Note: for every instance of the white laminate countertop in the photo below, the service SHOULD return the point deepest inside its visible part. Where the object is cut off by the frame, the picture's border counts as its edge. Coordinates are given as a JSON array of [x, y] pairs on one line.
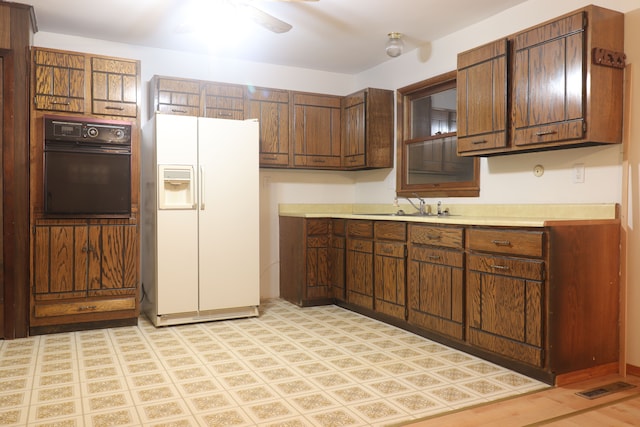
[[537, 215]]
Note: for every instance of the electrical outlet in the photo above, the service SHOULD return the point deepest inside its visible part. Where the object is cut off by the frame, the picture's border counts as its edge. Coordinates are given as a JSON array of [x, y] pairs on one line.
[[578, 173]]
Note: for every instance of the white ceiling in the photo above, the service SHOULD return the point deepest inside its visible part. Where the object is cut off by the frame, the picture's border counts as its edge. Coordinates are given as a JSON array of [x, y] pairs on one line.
[[344, 36]]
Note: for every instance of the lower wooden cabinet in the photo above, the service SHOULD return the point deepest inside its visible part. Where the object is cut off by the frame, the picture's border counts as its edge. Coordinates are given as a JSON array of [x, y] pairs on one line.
[[435, 282], [390, 268], [337, 259], [304, 260], [540, 300], [359, 263], [84, 273]]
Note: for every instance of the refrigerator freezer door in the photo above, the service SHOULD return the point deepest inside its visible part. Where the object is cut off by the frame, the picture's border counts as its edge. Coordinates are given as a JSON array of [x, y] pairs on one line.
[[177, 230], [229, 222]]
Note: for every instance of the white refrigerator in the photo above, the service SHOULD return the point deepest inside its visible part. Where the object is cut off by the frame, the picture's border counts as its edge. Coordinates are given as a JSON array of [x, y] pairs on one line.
[[200, 219]]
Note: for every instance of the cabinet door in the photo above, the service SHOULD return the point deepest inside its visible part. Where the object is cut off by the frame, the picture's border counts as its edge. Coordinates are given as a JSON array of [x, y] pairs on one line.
[[549, 82], [359, 263], [436, 290], [390, 278], [114, 85], [316, 131], [176, 96], [505, 306], [271, 108], [112, 255], [337, 259], [482, 98], [59, 81], [223, 101], [317, 259], [60, 262], [353, 143]]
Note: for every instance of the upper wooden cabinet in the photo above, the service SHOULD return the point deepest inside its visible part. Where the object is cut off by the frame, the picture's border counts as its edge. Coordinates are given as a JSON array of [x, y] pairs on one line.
[[114, 87], [316, 131], [60, 83], [298, 130], [271, 108], [223, 101], [564, 86], [367, 140], [482, 97]]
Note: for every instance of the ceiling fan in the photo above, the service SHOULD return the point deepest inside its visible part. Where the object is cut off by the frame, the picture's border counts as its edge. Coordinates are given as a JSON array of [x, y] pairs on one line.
[[268, 21]]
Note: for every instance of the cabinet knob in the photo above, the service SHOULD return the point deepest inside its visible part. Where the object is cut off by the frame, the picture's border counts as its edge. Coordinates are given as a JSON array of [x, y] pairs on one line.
[[501, 242]]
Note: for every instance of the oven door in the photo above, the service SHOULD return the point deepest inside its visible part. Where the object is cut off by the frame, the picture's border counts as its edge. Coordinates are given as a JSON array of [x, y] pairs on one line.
[[87, 181]]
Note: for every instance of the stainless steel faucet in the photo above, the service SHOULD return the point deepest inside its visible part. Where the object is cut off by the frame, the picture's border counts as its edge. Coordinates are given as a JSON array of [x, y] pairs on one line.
[[422, 207], [439, 207]]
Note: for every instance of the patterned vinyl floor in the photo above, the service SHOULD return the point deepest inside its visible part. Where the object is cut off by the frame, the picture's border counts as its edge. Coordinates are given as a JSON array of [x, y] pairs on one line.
[[319, 366]]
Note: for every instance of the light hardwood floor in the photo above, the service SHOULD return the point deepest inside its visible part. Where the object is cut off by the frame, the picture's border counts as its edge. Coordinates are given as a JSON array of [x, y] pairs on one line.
[[558, 406]]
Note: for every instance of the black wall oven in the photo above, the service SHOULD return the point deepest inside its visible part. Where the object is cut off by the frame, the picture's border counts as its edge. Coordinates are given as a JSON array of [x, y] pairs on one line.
[[87, 167]]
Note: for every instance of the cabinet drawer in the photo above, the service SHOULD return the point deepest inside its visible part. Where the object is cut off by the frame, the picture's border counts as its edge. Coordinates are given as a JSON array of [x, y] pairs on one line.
[[395, 250], [505, 266], [436, 236], [84, 307], [439, 256], [390, 230], [219, 113], [317, 226], [360, 229], [115, 108], [516, 242], [358, 245], [179, 109]]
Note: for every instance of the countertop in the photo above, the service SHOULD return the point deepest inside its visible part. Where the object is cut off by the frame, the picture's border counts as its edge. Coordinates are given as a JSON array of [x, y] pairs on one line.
[[516, 215]]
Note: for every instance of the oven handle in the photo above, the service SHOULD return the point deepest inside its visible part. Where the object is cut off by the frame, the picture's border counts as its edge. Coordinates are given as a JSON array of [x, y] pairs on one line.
[[90, 150]]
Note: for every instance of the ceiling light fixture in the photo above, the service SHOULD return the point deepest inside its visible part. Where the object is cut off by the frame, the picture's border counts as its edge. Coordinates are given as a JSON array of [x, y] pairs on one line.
[[394, 45]]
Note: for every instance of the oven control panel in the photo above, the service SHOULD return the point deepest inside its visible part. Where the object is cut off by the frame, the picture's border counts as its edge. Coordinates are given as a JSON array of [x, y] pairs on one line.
[[80, 131]]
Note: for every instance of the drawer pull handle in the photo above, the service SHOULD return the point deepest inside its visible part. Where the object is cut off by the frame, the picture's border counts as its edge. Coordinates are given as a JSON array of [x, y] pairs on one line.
[[499, 267], [271, 157], [318, 160], [87, 307], [178, 110], [479, 141], [114, 108], [434, 236], [223, 114], [501, 242], [547, 132], [60, 102], [434, 256]]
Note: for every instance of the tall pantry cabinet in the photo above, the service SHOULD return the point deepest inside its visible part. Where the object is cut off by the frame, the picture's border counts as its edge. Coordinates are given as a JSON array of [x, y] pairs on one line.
[[17, 25], [85, 266]]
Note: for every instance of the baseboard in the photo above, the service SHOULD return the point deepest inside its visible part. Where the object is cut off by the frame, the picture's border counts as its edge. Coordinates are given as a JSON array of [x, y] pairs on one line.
[[586, 374], [633, 370]]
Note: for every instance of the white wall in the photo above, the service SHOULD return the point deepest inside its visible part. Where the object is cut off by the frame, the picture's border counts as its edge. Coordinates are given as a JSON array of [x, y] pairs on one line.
[[506, 179]]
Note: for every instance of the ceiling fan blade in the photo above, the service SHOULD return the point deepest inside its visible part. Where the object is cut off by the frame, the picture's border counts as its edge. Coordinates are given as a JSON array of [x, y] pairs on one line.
[[270, 22]]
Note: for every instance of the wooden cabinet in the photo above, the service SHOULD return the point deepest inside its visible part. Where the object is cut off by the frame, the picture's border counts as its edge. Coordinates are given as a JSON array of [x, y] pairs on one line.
[[297, 130], [390, 260], [76, 82], [564, 86], [304, 260], [316, 131], [271, 108], [505, 293], [223, 101], [59, 80], [539, 300], [482, 98], [367, 140], [174, 96], [114, 87], [435, 282], [84, 273], [337, 254], [359, 263]]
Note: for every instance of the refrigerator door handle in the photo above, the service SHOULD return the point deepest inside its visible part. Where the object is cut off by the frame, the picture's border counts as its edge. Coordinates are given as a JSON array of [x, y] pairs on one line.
[[201, 188]]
